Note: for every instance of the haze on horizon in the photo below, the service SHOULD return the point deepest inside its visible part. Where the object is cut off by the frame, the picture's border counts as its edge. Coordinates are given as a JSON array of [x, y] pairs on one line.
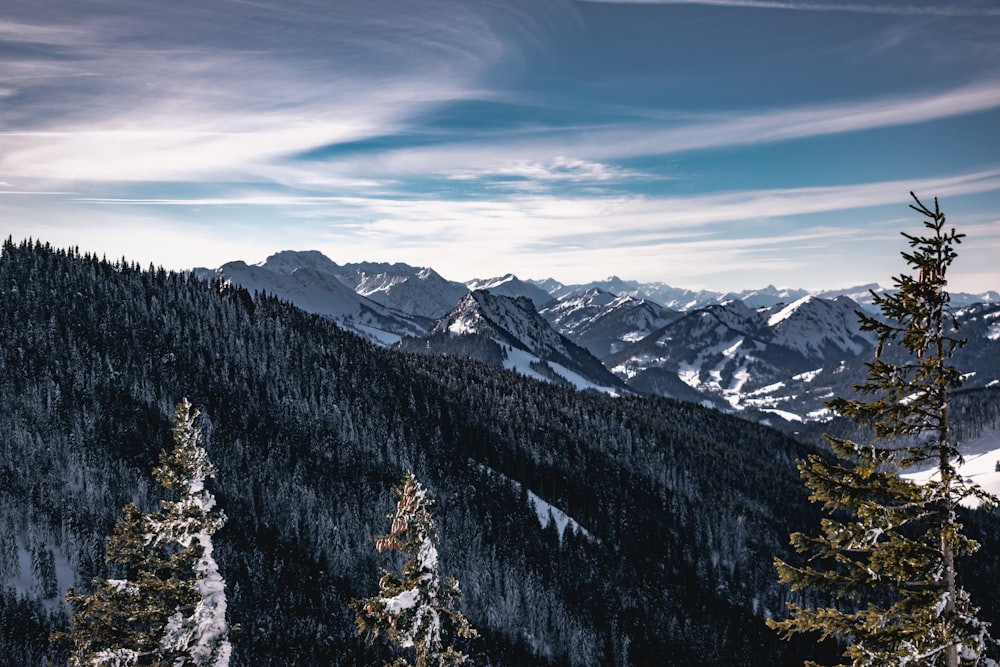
[[719, 144]]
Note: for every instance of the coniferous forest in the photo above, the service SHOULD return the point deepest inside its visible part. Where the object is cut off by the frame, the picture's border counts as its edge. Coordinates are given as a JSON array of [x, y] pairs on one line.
[[680, 509]]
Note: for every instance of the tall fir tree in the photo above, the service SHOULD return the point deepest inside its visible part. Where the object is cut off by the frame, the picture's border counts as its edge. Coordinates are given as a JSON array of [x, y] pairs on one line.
[[168, 609], [200, 631], [409, 609], [887, 549]]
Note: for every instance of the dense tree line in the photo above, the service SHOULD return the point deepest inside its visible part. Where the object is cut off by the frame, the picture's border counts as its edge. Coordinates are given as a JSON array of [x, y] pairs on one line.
[[310, 427]]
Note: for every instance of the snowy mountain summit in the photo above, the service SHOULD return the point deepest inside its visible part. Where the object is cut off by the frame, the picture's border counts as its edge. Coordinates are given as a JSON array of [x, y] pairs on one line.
[[509, 331], [313, 283], [604, 322]]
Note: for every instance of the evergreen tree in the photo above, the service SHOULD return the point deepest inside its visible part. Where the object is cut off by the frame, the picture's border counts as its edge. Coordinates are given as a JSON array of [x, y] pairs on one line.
[[168, 609], [408, 610], [887, 550], [199, 631]]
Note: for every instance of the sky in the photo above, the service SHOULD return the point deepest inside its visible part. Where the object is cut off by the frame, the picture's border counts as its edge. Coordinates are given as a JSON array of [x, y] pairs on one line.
[[712, 144]]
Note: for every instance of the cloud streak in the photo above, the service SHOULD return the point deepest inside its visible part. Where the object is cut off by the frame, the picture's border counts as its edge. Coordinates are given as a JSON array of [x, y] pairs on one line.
[[949, 9]]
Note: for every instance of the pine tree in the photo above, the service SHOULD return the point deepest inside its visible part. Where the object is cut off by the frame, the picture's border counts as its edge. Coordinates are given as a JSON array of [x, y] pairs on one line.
[[409, 609], [887, 549], [168, 609], [199, 631], [122, 621]]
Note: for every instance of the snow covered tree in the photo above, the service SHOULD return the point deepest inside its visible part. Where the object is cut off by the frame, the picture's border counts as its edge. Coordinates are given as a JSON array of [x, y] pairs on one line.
[[409, 609], [168, 609], [122, 621], [887, 550], [200, 632]]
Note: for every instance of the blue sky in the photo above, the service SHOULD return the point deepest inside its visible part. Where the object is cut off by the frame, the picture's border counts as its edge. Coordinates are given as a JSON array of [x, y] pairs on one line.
[[721, 144]]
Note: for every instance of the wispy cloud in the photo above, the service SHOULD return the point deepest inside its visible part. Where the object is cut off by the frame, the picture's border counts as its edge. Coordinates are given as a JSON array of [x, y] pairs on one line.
[[610, 220], [226, 90], [927, 9], [591, 151]]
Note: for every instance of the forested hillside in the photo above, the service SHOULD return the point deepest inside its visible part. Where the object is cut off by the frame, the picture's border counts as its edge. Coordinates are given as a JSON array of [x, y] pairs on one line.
[[309, 427]]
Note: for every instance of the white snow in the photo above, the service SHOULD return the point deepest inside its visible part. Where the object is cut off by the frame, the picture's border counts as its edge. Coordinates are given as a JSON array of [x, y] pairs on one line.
[[981, 458], [543, 510], [787, 311], [578, 380], [521, 361], [378, 336], [547, 512], [123, 586], [784, 414], [808, 376], [405, 600], [119, 657]]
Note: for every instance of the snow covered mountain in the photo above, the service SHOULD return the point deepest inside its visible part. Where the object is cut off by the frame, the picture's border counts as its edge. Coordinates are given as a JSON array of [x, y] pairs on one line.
[[786, 360], [510, 285], [507, 331], [677, 298], [604, 323], [413, 290], [780, 351], [312, 282], [738, 354], [674, 298]]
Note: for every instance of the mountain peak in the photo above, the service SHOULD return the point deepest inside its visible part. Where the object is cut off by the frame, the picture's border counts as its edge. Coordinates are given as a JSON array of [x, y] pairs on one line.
[[289, 261]]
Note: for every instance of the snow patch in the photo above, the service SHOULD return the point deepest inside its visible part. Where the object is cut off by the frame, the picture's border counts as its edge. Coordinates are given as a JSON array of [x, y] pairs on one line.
[[787, 311], [547, 513], [981, 458], [808, 376]]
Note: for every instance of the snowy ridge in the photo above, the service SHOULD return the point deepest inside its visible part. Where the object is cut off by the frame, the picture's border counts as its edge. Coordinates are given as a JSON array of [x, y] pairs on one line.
[[748, 357], [526, 342], [418, 291], [678, 298], [819, 328], [604, 323], [747, 351], [510, 285], [312, 282], [546, 512]]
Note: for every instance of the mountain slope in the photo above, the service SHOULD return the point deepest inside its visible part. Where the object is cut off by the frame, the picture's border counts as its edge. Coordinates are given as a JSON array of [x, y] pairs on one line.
[[604, 323], [737, 353], [509, 332], [679, 509], [313, 283], [416, 291], [512, 286]]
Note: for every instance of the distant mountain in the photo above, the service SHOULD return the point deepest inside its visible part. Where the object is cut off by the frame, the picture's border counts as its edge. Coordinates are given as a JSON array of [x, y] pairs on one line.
[[765, 297], [604, 323], [776, 350], [512, 286], [312, 282], [409, 289], [733, 352], [674, 298], [507, 331], [677, 298], [786, 360]]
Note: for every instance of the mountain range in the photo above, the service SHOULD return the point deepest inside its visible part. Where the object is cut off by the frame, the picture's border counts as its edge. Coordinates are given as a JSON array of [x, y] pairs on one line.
[[777, 354]]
